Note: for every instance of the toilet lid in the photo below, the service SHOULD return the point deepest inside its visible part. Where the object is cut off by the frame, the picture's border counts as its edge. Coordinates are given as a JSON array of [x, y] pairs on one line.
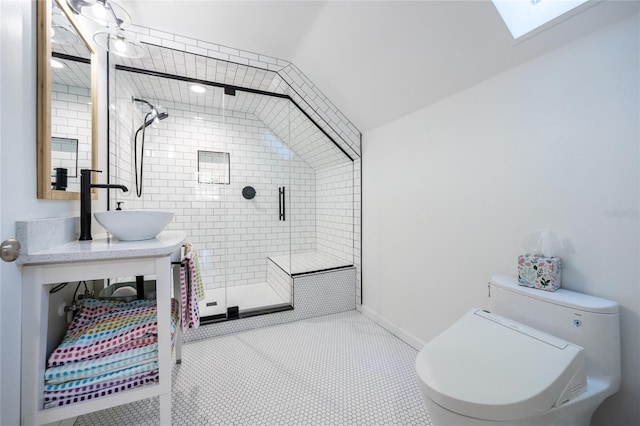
[[489, 367]]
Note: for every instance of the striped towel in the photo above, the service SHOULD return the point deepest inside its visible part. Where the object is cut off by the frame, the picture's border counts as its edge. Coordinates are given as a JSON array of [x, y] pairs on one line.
[[190, 281], [96, 390], [97, 367], [110, 347], [102, 328], [194, 267]]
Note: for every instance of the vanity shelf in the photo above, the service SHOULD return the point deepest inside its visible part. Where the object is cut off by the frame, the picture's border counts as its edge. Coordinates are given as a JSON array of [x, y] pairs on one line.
[[93, 260]]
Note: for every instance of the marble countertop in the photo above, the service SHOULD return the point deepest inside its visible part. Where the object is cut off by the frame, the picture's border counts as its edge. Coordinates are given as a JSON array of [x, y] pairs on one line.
[[105, 247]]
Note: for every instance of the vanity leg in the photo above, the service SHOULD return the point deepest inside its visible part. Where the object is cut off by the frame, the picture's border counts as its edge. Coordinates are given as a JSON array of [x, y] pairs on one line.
[[177, 294], [35, 307], [178, 347], [165, 409], [163, 304], [140, 287]]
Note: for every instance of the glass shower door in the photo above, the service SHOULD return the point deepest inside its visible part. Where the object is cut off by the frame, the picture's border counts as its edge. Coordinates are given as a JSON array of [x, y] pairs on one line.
[[207, 122], [277, 117], [257, 203]]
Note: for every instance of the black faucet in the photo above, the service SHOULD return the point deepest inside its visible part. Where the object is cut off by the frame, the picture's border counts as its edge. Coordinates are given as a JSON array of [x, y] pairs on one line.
[[85, 201]]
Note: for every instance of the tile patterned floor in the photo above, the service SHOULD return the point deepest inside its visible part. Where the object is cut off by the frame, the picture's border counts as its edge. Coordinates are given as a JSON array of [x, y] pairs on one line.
[[339, 369]]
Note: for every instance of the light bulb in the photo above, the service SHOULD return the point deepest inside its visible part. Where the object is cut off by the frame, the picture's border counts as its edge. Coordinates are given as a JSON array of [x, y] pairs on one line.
[[99, 11], [198, 88], [120, 45]]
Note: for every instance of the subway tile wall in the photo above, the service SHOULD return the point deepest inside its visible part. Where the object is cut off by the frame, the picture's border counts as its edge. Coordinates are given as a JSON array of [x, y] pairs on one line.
[[234, 236], [334, 211], [279, 280], [304, 92], [202, 67], [122, 112], [71, 118], [357, 227]]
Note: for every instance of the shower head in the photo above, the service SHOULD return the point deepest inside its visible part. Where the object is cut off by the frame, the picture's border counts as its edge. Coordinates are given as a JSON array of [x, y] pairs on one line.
[[151, 116], [155, 115], [149, 104]]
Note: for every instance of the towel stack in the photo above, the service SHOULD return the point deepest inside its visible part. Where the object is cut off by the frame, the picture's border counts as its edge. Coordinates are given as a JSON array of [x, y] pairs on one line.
[[109, 347], [191, 288]]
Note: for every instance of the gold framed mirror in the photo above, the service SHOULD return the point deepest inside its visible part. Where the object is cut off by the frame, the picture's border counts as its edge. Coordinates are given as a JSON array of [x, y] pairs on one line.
[[67, 102]]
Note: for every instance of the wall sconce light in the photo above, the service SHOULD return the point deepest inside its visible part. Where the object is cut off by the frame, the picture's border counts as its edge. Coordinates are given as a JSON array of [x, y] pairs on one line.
[[114, 18]]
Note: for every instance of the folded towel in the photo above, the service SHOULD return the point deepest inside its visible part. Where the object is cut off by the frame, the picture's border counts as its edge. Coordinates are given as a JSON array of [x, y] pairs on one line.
[[93, 391], [104, 378], [100, 366], [104, 328], [101, 326], [109, 347], [72, 392]]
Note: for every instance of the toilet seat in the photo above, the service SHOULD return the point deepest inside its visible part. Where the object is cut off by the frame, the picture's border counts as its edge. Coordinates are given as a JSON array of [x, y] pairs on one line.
[[489, 367]]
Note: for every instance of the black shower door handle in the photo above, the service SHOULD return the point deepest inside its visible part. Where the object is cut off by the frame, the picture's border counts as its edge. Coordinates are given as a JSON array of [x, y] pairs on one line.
[[281, 204]]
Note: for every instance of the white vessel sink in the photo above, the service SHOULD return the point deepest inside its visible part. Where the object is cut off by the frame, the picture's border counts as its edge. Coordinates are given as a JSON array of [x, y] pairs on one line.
[[134, 225]]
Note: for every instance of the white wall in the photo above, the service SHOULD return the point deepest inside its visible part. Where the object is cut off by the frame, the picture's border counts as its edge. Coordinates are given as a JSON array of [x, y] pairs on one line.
[[450, 190], [18, 180]]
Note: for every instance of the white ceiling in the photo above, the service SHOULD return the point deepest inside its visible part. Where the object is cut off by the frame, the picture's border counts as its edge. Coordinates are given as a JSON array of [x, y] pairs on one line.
[[375, 60]]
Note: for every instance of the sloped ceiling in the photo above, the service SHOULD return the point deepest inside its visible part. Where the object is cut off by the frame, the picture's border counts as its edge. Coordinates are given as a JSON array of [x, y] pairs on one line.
[[286, 121], [376, 60]]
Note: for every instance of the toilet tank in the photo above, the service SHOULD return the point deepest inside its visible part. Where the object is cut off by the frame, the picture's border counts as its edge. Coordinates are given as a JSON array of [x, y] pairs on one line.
[[589, 322]]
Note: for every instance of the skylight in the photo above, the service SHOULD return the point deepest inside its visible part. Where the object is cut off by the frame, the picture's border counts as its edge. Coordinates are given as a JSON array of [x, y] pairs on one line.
[[524, 16]]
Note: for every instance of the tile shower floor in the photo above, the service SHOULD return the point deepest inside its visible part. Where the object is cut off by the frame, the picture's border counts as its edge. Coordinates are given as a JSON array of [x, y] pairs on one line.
[[339, 369], [248, 296]]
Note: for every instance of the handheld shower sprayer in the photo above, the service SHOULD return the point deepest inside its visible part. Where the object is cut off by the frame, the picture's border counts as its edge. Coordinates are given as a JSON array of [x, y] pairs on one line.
[[151, 117], [157, 117]]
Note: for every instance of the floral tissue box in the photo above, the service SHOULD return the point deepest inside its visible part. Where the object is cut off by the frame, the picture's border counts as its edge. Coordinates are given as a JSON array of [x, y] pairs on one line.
[[539, 272]]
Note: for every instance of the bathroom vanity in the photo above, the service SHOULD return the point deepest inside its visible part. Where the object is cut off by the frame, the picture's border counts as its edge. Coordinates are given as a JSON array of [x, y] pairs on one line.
[[72, 262]]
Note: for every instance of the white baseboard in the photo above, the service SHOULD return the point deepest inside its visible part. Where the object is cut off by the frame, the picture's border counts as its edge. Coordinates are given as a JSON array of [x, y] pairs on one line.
[[399, 332]]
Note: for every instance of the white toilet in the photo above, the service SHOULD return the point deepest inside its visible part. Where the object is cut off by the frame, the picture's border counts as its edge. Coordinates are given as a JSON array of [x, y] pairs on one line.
[[535, 358]]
